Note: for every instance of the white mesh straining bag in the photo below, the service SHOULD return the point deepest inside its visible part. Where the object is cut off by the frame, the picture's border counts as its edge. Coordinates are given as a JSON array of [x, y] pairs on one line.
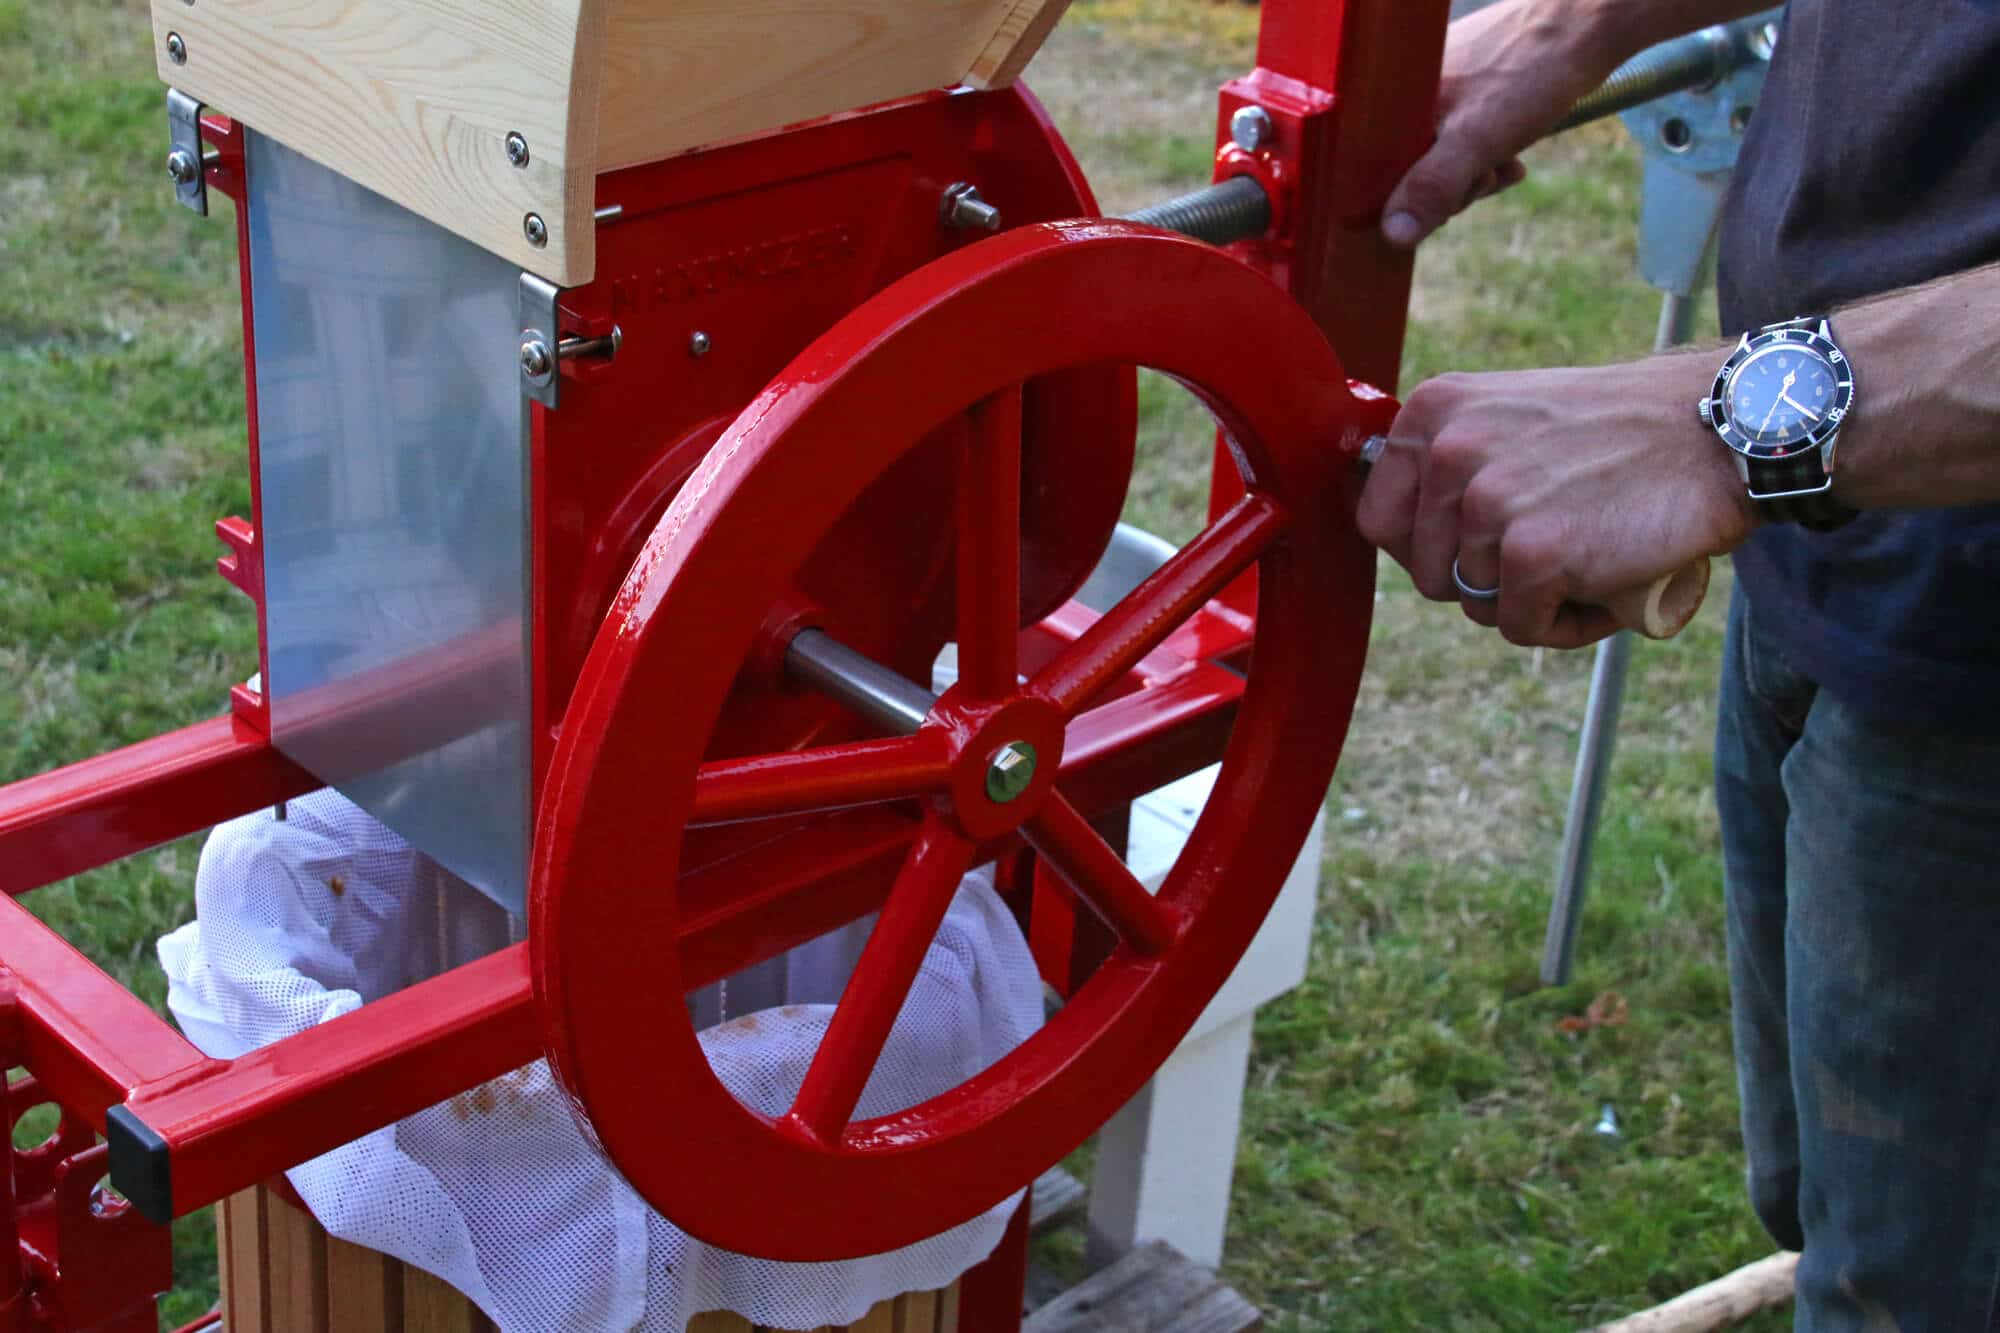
[[496, 1190]]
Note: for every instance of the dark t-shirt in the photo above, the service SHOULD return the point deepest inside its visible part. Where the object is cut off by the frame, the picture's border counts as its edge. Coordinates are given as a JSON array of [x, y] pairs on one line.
[[1872, 163]]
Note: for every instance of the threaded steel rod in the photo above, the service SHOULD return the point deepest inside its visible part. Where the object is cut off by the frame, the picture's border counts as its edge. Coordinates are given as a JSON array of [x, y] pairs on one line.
[[1697, 60], [1232, 210]]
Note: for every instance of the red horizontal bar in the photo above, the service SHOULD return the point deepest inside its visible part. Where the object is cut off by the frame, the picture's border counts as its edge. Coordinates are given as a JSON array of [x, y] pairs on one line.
[[101, 809], [88, 1040], [1131, 744], [229, 1124]]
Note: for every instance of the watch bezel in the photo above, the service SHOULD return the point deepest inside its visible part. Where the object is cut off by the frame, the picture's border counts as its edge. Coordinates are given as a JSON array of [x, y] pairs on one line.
[[1817, 339]]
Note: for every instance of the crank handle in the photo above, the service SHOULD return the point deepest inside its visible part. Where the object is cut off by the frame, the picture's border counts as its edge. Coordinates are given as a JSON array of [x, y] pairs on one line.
[[1658, 610]]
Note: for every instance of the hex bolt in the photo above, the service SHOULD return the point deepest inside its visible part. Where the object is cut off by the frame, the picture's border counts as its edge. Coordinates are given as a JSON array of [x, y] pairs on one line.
[[698, 343], [182, 167], [536, 230], [177, 49], [536, 361], [517, 148], [1010, 771], [1250, 128], [962, 208]]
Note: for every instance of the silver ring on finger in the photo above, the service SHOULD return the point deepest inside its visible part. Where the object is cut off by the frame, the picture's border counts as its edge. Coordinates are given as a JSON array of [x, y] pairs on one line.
[[1467, 590]]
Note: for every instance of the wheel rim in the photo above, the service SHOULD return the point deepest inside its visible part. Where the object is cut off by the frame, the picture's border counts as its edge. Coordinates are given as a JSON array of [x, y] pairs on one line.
[[623, 785]]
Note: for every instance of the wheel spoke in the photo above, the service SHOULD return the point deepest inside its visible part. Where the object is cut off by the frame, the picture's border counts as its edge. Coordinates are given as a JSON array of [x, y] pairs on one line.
[[989, 548], [828, 778], [881, 982], [1176, 590], [1094, 872]]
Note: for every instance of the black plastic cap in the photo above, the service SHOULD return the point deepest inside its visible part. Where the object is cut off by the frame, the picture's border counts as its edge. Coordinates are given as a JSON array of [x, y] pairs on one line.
[[140, 1167]]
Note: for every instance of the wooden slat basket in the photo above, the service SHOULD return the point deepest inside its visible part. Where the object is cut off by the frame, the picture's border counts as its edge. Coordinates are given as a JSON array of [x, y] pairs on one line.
[[282, 1273]]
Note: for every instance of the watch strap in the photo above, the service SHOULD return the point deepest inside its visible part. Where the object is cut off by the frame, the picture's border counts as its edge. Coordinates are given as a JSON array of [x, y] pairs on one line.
[[1796, 490]]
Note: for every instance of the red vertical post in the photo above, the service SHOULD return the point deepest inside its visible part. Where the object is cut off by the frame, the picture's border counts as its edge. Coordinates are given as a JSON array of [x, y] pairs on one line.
[[990, 1293], [1356, 84], [1350, 87], [13, 1280]]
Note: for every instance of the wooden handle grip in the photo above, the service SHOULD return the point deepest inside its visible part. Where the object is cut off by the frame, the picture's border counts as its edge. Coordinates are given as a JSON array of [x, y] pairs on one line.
[[1664, 607]]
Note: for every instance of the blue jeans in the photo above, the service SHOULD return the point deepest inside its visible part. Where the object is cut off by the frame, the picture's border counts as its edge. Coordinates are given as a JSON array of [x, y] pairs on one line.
[[1862, 865]]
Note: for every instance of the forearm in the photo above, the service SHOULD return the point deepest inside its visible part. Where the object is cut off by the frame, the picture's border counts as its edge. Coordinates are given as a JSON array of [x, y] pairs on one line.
[[1925, 428]]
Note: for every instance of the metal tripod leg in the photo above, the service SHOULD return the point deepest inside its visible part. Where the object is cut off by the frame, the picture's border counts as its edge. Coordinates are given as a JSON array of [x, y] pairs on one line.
[[1594, 744]]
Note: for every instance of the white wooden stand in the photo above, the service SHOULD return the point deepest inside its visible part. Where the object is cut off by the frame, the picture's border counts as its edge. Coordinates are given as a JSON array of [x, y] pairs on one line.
[[1164, 1163]]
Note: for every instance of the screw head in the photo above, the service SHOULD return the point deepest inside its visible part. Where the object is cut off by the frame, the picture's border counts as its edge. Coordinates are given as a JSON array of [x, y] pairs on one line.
[[182, 167], [517, 149], [537, 362], [1250, 128], [698, 343], [1010, 771], [177, 50], [536, 230]]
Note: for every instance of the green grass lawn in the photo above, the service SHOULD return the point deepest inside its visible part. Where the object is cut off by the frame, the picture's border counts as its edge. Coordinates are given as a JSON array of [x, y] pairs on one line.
[[1418, 1148]]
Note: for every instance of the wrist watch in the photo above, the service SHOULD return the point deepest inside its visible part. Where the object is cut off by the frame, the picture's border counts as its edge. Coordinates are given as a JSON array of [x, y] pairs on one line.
[[1778, 404]]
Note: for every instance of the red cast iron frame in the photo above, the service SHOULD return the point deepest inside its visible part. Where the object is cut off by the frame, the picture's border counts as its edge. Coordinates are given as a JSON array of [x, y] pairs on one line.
[[1350, 88]]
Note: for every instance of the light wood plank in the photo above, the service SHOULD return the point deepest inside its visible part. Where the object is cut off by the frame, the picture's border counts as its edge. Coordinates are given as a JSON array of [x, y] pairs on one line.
[[431, 1305], [719, 1321], [297, 1267], [947, 1311], [1022, 32], [916, 1312], [1154, 1288], [881, 1318], [415, 101], [364, 1290], [660, 92], [239, 1244]]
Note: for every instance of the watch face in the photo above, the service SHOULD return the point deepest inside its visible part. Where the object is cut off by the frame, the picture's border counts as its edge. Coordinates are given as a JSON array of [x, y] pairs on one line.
[[1781, 393]]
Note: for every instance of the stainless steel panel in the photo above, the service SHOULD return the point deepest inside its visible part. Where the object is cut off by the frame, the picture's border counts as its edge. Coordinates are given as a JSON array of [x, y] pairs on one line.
[[392, 435]]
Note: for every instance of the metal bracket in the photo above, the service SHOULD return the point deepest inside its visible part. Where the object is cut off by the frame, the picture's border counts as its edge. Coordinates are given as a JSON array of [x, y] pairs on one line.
[[1690, 141], [541, 378], [185, 166]]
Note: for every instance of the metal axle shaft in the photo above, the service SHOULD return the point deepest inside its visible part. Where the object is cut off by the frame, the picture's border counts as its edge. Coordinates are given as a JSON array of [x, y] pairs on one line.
[[890, 700]]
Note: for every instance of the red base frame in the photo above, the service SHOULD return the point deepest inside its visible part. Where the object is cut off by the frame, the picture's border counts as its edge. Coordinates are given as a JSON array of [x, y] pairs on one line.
[[1350, 87]]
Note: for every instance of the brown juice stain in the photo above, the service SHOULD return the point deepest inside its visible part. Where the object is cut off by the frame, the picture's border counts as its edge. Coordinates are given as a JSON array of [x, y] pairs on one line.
[[487, 1097]]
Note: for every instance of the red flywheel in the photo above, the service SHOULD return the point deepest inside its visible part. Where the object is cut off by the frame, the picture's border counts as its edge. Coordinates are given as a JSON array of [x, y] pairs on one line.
[[957, 338]]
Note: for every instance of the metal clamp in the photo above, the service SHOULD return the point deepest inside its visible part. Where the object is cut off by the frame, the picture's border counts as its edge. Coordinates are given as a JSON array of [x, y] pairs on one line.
[[185, 166], [540, 355]]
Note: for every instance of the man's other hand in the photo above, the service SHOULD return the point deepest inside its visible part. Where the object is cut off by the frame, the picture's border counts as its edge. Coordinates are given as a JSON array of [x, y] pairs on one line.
[[1511, 71], [1558, 487]]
